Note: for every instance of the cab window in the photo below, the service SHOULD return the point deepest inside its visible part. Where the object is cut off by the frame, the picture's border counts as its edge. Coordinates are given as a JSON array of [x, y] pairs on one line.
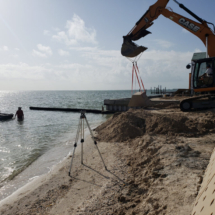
[[200, 77]]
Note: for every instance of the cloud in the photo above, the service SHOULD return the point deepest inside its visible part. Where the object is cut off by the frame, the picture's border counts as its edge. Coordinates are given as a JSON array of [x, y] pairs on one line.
[[63, 53], [44, 51], [103, 69], [39, 54], [22, 71], [185, 31], [63, 37], [16, 49], [198, 50], [156, 67], [46, 32], [5, 48], [76, 33], [164, 43]]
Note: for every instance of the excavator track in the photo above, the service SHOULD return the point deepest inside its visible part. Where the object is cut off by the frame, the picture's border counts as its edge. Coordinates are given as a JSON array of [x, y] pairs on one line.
[[199, 102]]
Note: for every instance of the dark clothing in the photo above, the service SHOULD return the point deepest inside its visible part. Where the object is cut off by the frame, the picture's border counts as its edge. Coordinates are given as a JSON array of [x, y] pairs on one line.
[[19, 114]]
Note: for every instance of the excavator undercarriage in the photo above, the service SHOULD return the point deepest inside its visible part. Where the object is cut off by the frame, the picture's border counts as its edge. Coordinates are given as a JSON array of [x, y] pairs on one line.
[[198, 102]]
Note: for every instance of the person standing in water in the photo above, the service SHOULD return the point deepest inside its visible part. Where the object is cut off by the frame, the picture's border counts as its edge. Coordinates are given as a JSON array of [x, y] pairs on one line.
[[19, 114]]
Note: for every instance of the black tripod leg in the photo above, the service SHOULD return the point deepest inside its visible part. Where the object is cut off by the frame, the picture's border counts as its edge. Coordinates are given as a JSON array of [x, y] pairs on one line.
[[75, 145], [100, 154], [95, 142], [82, 141]]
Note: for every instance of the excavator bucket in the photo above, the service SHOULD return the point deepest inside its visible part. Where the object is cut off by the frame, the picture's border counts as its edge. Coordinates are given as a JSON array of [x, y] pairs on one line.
[[130, 49]]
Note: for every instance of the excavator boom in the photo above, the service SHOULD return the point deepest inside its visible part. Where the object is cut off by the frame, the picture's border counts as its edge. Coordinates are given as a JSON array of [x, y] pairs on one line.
[[147, 19], [130, 49], [201, 30]]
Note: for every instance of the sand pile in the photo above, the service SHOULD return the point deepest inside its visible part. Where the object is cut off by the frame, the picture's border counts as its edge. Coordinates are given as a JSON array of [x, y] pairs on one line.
[[163, 177], [136, 123], [164, 154]]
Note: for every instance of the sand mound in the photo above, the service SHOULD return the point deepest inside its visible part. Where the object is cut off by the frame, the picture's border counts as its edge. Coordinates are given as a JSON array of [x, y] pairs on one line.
[[136, 123], [162, 175]]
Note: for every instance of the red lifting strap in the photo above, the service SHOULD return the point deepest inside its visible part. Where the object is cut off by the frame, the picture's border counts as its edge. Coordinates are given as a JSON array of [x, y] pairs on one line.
[[137, 77], [135, 70], [140, 77]]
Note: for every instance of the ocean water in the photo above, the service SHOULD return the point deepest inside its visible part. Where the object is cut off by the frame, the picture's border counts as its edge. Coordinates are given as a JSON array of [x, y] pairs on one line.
[[32, 147]]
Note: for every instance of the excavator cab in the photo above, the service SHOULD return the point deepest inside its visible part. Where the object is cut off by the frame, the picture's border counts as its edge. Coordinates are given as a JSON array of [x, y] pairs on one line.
[[201, 78]]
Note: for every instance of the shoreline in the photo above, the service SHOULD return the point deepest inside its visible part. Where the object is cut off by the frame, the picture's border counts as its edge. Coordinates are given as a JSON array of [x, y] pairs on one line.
[[37, 181], [90, 178], [34, 171]]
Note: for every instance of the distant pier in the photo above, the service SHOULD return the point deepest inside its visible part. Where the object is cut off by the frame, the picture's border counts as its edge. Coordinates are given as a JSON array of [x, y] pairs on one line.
[[158, 90]]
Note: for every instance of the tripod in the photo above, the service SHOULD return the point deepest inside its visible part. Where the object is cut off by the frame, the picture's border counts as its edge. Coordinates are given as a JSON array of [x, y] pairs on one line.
[[80, 132]]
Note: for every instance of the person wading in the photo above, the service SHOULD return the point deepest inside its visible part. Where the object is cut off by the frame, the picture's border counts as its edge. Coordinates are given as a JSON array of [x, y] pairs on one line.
[[19, 114]]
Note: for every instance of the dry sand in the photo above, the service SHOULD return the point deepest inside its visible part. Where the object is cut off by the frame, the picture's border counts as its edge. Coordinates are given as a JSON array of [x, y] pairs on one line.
[[155, 158]]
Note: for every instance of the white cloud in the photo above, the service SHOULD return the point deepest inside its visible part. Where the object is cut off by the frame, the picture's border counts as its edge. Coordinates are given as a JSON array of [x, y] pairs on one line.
[[164, 43], [198, 50], [185, 31], [39, 54], [63, 37], [103, 69], [45, 49], [22, 71], [5, 48], [156, 67], [63, 53], [16, 49], [76, 33]]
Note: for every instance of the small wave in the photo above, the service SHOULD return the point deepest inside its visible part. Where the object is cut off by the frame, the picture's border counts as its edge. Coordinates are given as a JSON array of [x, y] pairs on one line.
[[18, 171]]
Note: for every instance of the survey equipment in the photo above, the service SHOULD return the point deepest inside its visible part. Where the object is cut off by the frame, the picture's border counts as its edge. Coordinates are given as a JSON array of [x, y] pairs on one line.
[[80, 133]]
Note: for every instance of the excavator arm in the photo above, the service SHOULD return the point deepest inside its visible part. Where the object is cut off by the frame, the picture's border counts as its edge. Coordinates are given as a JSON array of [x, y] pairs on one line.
[[201, 30], [130, 49], [139, 30]]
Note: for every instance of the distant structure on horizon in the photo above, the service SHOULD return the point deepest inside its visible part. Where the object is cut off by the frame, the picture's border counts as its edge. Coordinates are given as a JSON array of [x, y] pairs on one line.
[[158, 90]]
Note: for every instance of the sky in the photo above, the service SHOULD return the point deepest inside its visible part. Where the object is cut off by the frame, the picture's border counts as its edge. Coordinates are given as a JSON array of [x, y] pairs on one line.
[[76, 44]]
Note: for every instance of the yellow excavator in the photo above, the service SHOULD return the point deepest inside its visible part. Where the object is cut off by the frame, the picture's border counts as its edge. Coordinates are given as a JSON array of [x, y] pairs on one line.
[[200, 80]]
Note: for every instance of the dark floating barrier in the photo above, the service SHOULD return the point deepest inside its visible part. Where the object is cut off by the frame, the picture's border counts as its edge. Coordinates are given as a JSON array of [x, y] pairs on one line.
[[5, 116], [72, 110]]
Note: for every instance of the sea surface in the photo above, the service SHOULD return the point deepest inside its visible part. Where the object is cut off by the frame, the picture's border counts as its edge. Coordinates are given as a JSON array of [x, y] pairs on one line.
[[32, 147]]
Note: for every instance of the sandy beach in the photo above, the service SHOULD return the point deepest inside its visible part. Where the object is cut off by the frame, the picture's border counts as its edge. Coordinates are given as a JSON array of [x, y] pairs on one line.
[[155, 165]]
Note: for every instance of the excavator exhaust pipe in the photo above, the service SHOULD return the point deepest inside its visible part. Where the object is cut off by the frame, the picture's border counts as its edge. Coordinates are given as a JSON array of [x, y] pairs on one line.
[[130, 49]]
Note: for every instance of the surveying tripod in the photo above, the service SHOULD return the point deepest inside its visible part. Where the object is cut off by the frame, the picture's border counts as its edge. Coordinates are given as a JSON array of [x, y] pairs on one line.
[[80, 132]]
